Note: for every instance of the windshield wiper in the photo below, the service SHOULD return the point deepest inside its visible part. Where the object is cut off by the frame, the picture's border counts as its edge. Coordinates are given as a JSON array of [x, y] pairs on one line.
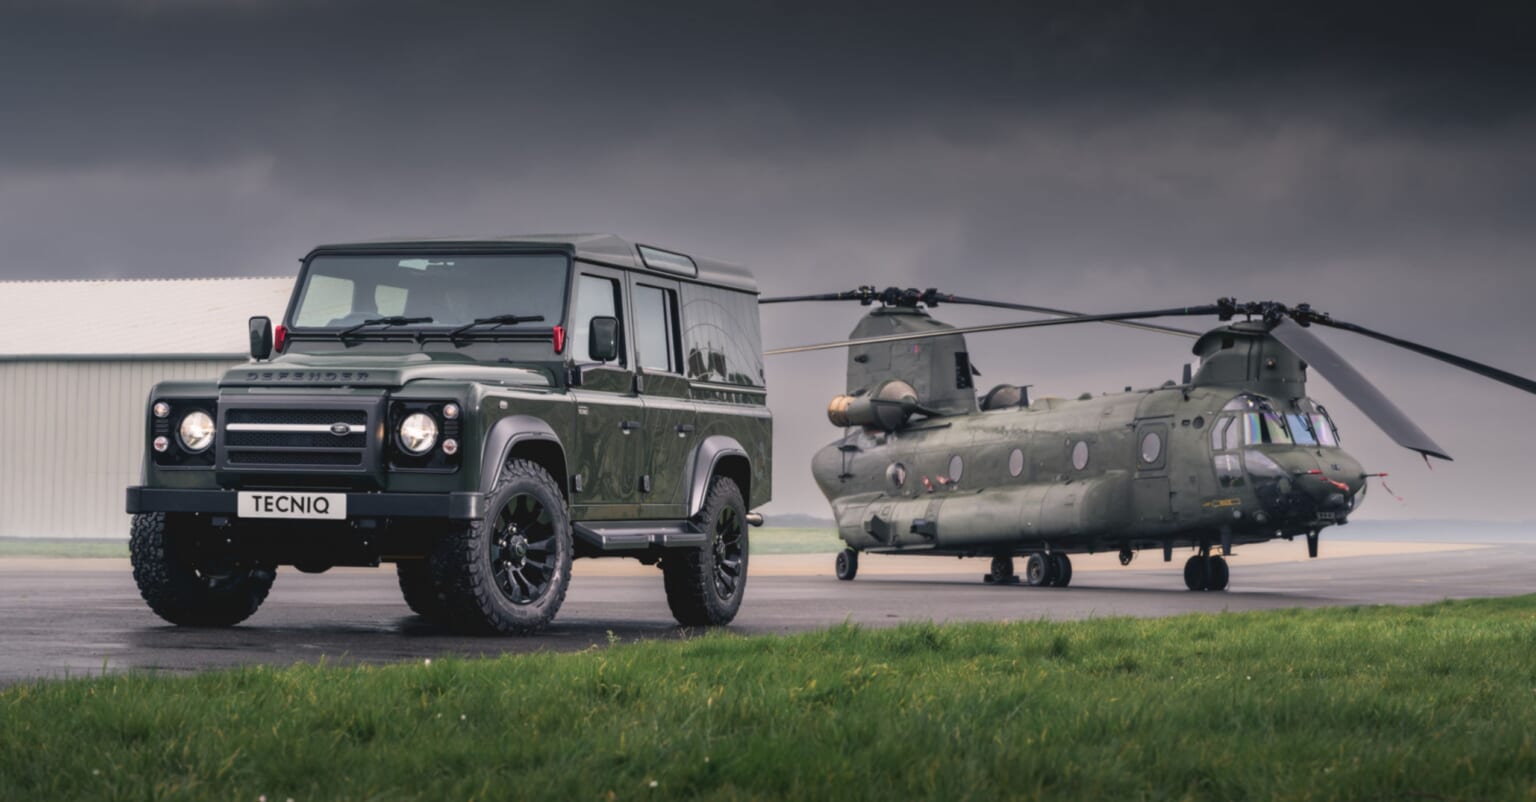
[[493, 322], [392, 320]]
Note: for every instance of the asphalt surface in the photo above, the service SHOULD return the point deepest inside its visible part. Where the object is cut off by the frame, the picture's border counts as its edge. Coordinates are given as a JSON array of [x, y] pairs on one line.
[[60, 619]]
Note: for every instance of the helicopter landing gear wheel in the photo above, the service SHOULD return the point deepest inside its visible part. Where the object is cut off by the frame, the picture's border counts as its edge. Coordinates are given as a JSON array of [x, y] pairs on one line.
[[1040, 570], [1061, 564], [1206, 573], [847, 564], [1001, 572], [1219, 574]]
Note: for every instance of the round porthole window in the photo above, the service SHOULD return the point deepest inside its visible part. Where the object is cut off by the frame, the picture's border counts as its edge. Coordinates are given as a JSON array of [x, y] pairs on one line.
[[1016, 462], [956, 466], [1080, 455], [897, 473], [1151, 447]]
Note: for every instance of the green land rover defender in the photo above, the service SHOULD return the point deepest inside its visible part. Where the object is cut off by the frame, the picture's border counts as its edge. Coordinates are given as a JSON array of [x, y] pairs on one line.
[[479, 413]]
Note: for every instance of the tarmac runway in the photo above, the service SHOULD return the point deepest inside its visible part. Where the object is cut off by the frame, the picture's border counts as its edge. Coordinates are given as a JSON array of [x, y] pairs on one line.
[[82, 617]]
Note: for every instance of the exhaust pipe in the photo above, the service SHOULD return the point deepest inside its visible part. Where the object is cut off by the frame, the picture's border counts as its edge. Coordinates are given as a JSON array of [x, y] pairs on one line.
[[755, 518]]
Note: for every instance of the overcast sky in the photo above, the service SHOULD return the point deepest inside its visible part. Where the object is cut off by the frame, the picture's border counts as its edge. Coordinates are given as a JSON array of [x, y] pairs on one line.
[[1376, 161]]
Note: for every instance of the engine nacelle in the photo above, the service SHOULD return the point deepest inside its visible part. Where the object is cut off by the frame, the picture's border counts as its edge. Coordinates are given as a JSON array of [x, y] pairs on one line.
[[888, 408]]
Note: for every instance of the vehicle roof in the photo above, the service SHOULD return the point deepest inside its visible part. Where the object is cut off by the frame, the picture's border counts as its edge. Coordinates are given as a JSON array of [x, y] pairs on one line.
[[607, 249]]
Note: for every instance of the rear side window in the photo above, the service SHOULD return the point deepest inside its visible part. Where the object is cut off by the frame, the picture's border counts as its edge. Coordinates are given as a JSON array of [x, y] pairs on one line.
[[656, 328], [721, 339]]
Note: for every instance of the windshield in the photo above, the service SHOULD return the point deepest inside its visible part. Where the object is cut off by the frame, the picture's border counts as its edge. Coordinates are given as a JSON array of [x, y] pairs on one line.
[[340, 292]]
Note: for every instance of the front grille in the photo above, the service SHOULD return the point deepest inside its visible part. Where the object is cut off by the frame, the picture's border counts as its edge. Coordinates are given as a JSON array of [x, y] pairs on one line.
[[300, 435], [300, 417], [305, 458], [296, 439]]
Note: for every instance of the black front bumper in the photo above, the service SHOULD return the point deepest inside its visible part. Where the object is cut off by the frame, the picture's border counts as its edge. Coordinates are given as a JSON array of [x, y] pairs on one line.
[[443, 506]]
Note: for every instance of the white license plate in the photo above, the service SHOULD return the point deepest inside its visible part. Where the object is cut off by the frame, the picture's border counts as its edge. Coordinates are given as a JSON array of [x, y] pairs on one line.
[[313, 506]]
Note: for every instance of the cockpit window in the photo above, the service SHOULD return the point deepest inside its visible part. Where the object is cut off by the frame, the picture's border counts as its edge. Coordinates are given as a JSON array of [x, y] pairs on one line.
[[1301, 429], [1326, 434], [1264, 427]]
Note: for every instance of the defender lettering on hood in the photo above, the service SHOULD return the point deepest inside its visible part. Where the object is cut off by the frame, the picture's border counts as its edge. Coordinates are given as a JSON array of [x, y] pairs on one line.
[[306, 376]]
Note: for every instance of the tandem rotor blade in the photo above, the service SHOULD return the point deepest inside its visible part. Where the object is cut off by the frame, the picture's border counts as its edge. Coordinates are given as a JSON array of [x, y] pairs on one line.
[[1183, 311], [1479, 368], [1045, 310], [1356, 388]]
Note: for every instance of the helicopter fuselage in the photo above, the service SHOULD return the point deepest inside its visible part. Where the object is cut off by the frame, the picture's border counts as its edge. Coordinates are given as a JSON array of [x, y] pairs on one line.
[[1177, 466]]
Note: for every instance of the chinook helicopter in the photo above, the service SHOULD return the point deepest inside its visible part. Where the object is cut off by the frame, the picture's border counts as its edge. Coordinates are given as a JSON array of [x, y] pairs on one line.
[[1236, 453]]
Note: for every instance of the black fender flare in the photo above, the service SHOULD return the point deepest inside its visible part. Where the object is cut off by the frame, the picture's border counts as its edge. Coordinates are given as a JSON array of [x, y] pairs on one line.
[[505, 435], [702, 463]]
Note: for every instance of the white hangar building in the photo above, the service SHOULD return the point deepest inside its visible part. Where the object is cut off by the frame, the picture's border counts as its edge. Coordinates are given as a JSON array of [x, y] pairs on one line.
[[77, 360]]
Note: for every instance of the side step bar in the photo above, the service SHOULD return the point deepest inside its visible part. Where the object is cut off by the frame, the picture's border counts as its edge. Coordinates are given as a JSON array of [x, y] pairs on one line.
[[626, 535]]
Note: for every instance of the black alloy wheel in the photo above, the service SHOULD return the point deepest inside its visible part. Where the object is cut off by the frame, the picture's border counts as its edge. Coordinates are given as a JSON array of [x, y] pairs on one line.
[[188, 585], [705, 584], [509, 572], [524, 558], [729, 542]]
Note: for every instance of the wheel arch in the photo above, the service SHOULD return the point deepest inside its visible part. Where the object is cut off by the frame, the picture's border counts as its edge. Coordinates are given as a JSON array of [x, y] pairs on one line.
[[717, 455], [524, 437]]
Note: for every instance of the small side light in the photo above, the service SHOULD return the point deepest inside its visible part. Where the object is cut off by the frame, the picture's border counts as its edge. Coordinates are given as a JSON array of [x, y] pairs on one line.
[[162, 409], [450, 446], [162, 443], [451, 411]]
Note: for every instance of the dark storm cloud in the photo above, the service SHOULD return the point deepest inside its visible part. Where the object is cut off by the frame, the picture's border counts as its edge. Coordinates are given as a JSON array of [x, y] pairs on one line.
[[1374, 159]]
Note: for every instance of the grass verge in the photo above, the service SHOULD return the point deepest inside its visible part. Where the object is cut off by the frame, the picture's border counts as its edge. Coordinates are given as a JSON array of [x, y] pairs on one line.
[[61, 547], [792, 540], [1435, 702]]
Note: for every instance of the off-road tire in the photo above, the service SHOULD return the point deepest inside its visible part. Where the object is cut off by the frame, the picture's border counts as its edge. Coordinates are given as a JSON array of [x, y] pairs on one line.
[[163, 550], [689, 575], [466, 576], [419, 588]]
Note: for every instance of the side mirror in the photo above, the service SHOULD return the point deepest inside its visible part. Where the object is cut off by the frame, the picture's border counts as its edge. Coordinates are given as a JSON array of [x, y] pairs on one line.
[[261, 337], [603, 339]]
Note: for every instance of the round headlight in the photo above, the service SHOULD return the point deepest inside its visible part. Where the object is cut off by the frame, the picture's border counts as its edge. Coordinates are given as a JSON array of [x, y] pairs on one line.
[[418, 433], [196, 431]]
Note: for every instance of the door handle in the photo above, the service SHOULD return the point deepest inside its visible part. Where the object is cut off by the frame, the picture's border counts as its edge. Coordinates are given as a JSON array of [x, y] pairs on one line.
[[629, 425], [684, 428]]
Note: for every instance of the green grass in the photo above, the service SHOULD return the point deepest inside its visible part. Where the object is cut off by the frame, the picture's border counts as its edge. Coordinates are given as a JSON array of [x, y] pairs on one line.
[[1436, 703], [61, 547], [791, 540]]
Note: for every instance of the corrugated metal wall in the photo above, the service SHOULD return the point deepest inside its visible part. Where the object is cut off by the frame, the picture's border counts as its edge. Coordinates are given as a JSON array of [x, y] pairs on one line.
[[72, 438]]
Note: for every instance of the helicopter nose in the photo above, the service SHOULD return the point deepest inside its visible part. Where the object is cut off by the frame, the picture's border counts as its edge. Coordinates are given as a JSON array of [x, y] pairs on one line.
[[1334, 483], [1299, 486]]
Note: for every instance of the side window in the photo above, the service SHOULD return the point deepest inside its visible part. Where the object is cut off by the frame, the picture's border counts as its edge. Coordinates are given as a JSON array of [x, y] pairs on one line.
[[722, 342], [656, 329], [596, 296], [1219, 434]]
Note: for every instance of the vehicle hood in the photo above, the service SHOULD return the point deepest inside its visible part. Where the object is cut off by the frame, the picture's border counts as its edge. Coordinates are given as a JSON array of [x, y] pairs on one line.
[[383, 370]]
